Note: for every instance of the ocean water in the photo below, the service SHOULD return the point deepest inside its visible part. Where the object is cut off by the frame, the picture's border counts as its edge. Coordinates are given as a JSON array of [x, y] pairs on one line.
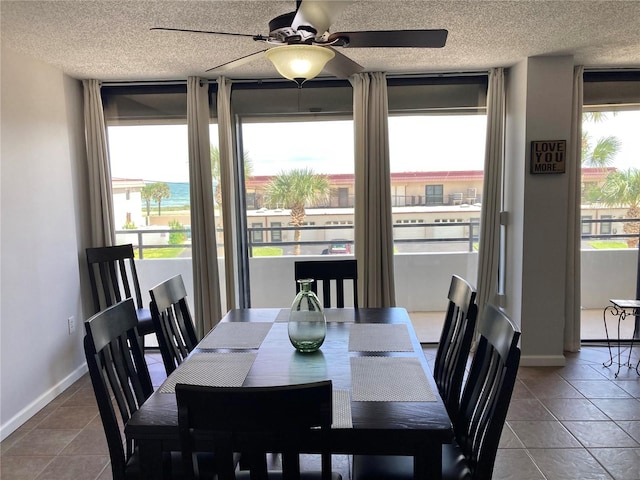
[[179, 195]]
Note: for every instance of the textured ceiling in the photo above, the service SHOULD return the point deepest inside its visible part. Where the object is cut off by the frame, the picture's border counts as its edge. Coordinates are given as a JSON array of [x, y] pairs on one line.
[[110, 39]]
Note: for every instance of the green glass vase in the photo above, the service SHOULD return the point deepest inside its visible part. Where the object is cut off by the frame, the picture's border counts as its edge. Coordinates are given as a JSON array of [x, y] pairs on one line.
[[307, 323]]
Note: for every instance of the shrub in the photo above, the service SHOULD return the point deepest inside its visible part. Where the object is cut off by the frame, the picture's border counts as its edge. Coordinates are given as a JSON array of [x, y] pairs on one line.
[[176, 238]]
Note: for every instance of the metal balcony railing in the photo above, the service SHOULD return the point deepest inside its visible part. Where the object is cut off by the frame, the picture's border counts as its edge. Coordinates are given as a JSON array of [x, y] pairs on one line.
[[460, 236]]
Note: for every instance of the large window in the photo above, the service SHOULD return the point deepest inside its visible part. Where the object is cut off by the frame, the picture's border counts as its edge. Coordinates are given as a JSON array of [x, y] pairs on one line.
[[610, 191], [437, 132], [147, 141], [297, 146], [284, 136], [295, 170]]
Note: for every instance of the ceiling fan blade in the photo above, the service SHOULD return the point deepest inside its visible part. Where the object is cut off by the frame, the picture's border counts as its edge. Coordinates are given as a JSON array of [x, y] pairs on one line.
[[255, 37], [391, 38], [318, 13], [342, 66], [225, 67]]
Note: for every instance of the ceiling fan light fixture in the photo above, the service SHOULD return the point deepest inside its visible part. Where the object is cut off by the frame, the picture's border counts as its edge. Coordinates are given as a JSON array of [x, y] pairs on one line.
[[299, 62]]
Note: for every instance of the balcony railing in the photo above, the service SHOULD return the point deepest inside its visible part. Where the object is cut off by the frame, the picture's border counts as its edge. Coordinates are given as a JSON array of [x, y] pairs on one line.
[[408, 237]]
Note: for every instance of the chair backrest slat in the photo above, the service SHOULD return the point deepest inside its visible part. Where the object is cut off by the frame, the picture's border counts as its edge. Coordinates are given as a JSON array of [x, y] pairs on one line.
[[326, 272], [113, 276], [173, 323], [487, 392], [117, 367], [255, 421], [455, 342]]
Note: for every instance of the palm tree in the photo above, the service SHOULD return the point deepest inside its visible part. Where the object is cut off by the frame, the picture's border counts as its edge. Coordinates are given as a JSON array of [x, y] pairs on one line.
[[294, 190], [147, 195], [622, 189], [159, 191], [601, 154], [214, 153]]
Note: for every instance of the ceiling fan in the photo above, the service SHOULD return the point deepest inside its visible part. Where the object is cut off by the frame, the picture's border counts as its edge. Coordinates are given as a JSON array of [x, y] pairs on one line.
[[303, 45]]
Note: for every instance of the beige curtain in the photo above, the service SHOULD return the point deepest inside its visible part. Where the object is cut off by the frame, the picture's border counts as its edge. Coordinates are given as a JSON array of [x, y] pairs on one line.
[[206, 286], [574, 161], [225, 139], [100, 195], [489, 253], [373, 224]]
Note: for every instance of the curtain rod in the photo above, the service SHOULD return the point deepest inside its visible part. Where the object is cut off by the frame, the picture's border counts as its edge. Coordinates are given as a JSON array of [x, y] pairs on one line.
[[134, 83]]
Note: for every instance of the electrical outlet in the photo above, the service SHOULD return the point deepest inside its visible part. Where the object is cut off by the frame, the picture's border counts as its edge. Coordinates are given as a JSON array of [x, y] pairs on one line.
[[71, 324]]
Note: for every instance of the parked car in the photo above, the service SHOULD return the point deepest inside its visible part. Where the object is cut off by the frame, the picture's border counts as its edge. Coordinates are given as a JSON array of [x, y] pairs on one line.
[[338, 247]]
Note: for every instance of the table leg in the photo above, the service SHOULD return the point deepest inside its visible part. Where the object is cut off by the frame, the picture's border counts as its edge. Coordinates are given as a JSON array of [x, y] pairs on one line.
[[427, 464], [611, 310], [620, 314], [150, 452], [635, 336]]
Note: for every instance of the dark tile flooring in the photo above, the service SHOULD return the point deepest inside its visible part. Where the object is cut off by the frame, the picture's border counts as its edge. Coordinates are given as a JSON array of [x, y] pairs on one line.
[[571, 422]]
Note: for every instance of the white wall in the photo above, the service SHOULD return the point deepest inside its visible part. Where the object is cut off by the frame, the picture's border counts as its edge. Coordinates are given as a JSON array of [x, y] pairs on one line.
[[422, 280], [607, 274], [40, 208], [539, 108]]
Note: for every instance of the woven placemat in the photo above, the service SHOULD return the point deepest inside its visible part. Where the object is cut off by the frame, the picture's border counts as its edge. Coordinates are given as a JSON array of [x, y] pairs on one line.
[[372, 337], [236, 335], [335, 315], [389, 379], [342, 409], [211, 369]]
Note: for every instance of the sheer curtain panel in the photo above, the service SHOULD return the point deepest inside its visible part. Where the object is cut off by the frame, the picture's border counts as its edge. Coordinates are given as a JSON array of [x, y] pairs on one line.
[[373, 222], [574, 160], [206, 287], [100, 196], [489, 250]]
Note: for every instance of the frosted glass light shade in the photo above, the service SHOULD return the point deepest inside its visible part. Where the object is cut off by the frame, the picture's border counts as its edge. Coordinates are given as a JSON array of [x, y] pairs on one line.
[[299, 62]]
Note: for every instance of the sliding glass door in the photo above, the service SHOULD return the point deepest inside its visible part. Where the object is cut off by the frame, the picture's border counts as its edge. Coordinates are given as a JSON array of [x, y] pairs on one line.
[[610, 211]]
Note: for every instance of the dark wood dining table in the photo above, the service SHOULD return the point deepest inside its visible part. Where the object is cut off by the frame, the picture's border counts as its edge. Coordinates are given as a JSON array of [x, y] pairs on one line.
[[385, 398]]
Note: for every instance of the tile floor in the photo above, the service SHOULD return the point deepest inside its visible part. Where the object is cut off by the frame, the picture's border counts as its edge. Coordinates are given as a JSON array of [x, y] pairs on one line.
[[572, 422]]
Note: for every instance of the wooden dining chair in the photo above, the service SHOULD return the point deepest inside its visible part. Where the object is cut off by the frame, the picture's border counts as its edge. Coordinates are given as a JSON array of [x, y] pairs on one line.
[[328, 272], [120, 379], [455, 342], [173, 323], [117, 367], [256, 421], [113, 278], [483, 410]]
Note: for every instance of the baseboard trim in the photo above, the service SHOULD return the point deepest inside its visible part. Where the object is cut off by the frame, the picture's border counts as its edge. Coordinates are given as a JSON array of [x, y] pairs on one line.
[[34, 407], [543, 361]]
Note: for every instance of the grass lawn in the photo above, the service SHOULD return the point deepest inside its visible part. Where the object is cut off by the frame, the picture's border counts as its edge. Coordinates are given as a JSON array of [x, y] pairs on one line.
[[608, 244], [267, 252], [171, 252]]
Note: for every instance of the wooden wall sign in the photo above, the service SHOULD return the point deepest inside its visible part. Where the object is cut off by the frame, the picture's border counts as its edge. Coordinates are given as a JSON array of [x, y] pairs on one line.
[[548, 156]]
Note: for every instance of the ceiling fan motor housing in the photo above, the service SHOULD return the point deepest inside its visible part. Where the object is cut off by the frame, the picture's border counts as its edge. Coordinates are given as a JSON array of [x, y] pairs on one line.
[[280, 30]]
